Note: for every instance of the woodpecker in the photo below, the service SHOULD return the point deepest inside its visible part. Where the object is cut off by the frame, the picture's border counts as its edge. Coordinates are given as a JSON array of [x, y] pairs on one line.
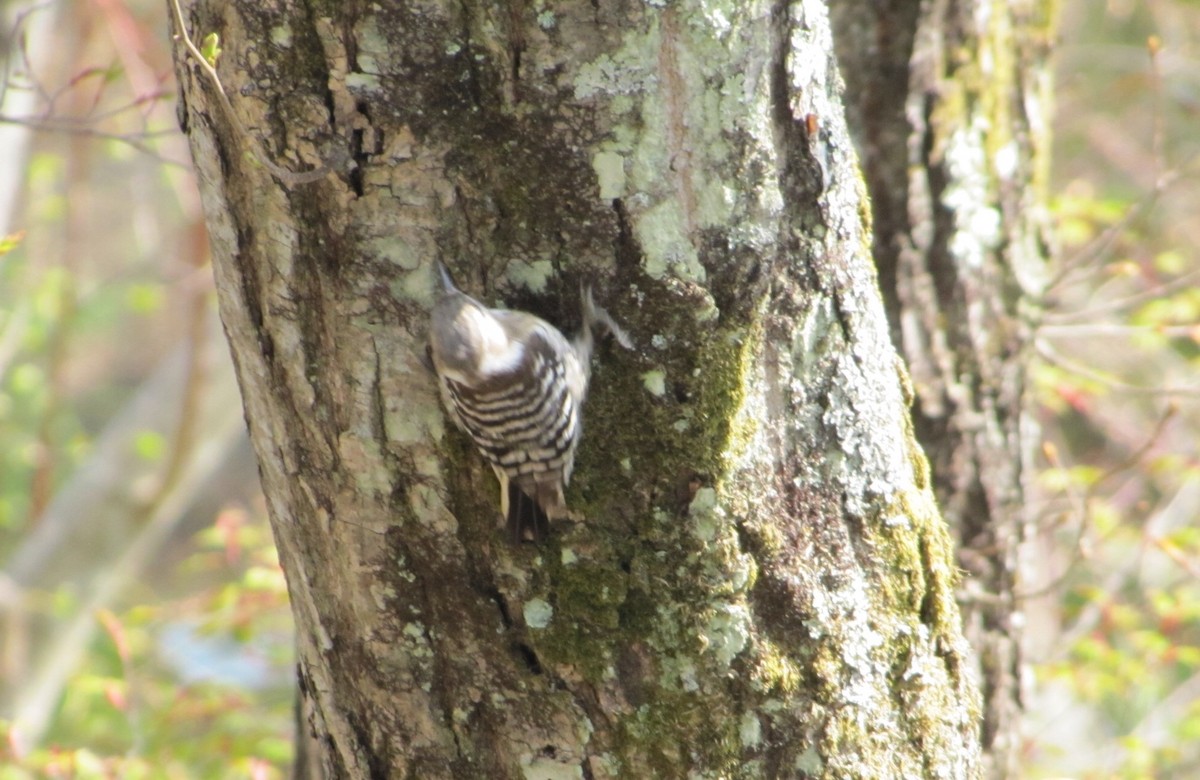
[[516, 386]]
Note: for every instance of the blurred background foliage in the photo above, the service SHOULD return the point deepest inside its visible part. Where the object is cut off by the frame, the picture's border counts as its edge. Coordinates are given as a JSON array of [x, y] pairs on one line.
[[144, 629], [1114, 601]]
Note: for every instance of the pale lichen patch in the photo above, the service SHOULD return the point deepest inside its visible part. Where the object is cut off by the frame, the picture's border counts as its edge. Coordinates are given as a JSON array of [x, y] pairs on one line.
[[537, 613], [610, 174], [655, 382]]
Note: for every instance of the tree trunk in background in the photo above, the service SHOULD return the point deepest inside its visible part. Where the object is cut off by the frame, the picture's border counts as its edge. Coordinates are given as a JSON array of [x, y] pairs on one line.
[[948, 101], [762, 586]]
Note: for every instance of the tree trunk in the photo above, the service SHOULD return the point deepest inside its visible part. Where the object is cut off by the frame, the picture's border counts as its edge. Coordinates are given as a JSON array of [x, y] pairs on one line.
[[949, 102], [759, 584]]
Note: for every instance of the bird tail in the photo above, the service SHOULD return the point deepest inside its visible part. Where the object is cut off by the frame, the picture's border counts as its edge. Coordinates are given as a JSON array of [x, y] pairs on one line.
[[527, 520], [596, 318], [446, 279]]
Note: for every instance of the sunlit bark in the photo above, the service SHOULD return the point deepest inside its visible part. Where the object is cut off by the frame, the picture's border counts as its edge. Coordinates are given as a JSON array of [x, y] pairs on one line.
[[949, 103], [760, 584]]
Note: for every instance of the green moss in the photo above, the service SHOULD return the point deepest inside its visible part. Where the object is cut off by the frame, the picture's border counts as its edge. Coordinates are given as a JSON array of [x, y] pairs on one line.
[[610, 593], [764, 540], [686, 729], [774, 673], [825, 671], [698, 378], [587, 599], [866, 214], [723, 359], [916, 535]]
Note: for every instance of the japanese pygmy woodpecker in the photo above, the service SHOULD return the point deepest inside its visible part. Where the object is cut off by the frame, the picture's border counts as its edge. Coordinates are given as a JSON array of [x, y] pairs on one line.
[[516, 385]]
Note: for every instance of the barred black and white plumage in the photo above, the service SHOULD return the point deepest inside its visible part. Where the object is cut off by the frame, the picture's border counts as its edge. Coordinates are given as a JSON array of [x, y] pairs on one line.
[[516, 385]]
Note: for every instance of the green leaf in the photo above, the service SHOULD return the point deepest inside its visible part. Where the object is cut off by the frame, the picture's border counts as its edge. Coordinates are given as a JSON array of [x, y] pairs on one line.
[[27, 379], [1188, 656], [10, 242], [145, 298], [149, 445], [260, 578], [1171, 261], [210, 48]]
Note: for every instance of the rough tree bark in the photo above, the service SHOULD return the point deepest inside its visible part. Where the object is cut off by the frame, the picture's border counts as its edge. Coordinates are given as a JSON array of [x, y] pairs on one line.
[[760, 584], [949, 101]]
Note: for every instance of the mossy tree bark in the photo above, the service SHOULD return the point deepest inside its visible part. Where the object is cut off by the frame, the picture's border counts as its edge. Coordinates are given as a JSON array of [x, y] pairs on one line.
[[760, 584], [949, 102]]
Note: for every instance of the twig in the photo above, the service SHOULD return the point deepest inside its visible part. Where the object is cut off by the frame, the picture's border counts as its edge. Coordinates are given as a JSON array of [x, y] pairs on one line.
[[1159, 132], [1182, 508], [17, 43], [1183, 282], [1112, 329], [1103, 242], [65, 126], [290, 178], [1084, 502], [1175, 554], [1052, 355]]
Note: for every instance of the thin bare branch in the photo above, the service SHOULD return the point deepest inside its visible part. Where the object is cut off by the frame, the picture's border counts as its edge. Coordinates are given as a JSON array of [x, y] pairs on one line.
[[1103, 243], [1082, 503], [1109, 329], [136, 142], [1053, 356], [1094, 312]]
